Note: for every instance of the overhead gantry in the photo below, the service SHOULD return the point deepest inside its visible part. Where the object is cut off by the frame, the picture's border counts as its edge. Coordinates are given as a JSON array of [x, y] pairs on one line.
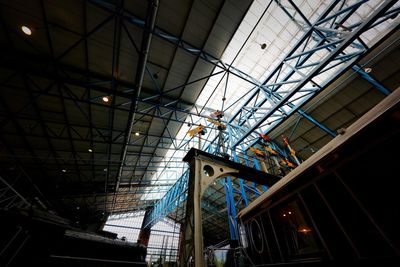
[[204, 169]]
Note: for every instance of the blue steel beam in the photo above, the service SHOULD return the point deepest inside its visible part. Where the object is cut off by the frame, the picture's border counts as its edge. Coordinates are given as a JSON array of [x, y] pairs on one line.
[[130, 17], [207, 57], [371, 80], [356, 67], [175, 196], [230, 201], [310, 119], [180, 111], [278, 69], [231, 208], [387, 15], [186, 46], [347, 57], [241, 182], [173, 112], [333, 56], [317, 69]]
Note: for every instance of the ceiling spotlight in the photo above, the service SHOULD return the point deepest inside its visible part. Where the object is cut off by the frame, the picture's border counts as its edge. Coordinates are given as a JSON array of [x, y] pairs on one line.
[[155, 76], [367, 70], [90, 150], [263, 46], [106, 99], [137, 133], [26, 30], [64, 170]]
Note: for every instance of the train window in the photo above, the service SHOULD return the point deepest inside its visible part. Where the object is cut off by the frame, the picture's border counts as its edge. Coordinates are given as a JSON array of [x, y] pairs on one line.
[[362, 232], [373, 181], [333, 237], [243, 236], [296, 236], [256, 236], [273, 254]]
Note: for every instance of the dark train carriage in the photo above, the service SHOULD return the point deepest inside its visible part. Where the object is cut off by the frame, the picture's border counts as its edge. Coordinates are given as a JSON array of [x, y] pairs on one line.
[[341, 206]]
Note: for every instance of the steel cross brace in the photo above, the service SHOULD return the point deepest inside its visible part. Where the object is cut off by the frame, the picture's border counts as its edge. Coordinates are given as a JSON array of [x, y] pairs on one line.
[[204, 169], [172, 199], [231, 208], [371, 80], [319, 68], [218, 63]]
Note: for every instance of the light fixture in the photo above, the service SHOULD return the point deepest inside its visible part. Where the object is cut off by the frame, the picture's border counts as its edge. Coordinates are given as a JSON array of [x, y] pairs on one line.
[[90, 150], [263, 46], [105, 99], [137, 133], [304, 230], [367, 70], [64, 170], [26, 30]]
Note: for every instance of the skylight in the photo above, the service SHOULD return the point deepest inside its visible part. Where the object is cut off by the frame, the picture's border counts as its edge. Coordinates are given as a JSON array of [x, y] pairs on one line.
[[265, 23]]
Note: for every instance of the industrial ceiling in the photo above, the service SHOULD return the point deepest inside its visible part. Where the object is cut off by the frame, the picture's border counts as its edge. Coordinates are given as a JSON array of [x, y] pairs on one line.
[[94, 99]]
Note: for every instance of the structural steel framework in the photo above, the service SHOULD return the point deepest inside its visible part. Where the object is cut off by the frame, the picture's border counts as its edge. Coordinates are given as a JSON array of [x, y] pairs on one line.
[[204, 169], [341, 48], [326, 48]]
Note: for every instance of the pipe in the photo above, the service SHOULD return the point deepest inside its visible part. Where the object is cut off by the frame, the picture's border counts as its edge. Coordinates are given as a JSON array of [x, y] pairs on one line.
[[145, 47]]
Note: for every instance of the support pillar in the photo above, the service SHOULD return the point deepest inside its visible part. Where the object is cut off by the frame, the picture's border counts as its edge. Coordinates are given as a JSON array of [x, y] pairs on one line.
[[231, 208], [371, 80]]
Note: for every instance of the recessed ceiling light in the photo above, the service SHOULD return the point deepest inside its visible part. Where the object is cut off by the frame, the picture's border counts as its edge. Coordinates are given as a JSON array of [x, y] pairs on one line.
[[137, 133], [90, 150], [106, 99], [64, 170], [367, 70], [26, 30]]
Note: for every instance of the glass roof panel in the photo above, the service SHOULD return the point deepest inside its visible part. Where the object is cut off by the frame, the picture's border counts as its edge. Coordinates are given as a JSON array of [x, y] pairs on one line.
[[267, 23]]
